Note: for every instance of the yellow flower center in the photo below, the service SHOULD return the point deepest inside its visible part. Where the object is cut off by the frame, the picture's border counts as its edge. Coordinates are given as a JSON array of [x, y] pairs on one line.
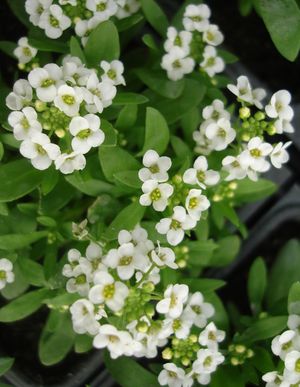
[[155, 195], [255, 152], [68, 99], [108, 291], [125, 261]]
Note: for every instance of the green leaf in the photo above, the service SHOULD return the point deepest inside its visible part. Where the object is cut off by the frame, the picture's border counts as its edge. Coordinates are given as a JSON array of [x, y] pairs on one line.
[[245, 7], [128, 22], [251, 191], [227, 56], [150, 42], [220, 317], [200, 252], [227, 376], [103, 44], [294, 299], [49, 45], [8, 48], [32, 271], [257, 283], [19, 241], [58, 197], [61, 301], [181, 149], [87, 184], [127, 117], [262, 360], [76, 50], [129, 99], [128, 373], [83, 343], [127, 219], [263, 329], [203, 284], [23, 306], [128, 178], [114, 160], [156, 80], [18, 178], [282, 19], [111, 135], [226, 252], [155, 16], [57, 338], [5, 364], [157, 134]]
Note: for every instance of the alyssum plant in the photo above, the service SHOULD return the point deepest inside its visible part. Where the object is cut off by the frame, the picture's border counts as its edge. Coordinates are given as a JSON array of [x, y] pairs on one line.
[[132, 166]]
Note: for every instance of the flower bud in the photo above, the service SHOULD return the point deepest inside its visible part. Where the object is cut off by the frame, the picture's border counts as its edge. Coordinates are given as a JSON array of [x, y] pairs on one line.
[[233, 185], [234, 361], [142, 327], [148, 286], [185, 361], [246, 136], [240, 348], [244, 112], [167, 354], [271, 130], [40, 106], [259, 116]]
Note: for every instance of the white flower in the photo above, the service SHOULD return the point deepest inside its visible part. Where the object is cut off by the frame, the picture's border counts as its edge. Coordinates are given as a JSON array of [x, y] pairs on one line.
[[283, 126], [212, 63], [127, 8], [180, 327], [204, 145], [171, 376], [65, 2], [35, 9], [156, 194], [196, 203], [213, 35], [98, 95], [233, 166], [6, 272], [242, 90], [293, 321], [257, 96], [180, 39], [285, 343], [198, 310], [103, 9], [73, 258], [254, 155], [118, 342], [175, 226], [83, 317], [272, 379], [196, 17], [80, 281], [279, 155], [139, 237], [279, 106], [45, 80], [176, 64], [74, 71], [215, 111], [292, 364], [164, 256], [200, 174], [54, 21], [210, 337], [220, 133], [87, 133], [126, 259], [68, 100], [94, 256], [113, 72], [207, 361], [24, 52], [24, 123], [20, 96], [40, 151], [172, 303], [156, 167], [107, 290], [70, 162]]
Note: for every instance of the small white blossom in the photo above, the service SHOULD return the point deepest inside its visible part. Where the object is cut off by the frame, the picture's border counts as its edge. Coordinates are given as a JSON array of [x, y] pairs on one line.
[[20, 96], [80, 281], [139, 237], [35, 8], [70, 162], [211, 337], [6, 272], [171, 376], [54, 21], [107, 290], [45, 80], [293, 321], [103, 9], [200, 174], [285, 343], [164, 256], [180, 326], [196, 17], [254, 155], [94, 256], [198, 310], [272, 379], [83, 317], [98, 95], [175, 226], [24, 52], [113, 72], [196, 203], [25, 123], [213, 35], [279, 155], [68, 100], [257, 96], [40, 151], [220, 133], [283, 126], [156, 167], [180, 39], [242, 90], [215, 111], [292, 364], [156, 194], [127, 8], [212, 63], [174, 298], [279, 106], [207, 361], [73, 258], [233, 166], [177, 64]]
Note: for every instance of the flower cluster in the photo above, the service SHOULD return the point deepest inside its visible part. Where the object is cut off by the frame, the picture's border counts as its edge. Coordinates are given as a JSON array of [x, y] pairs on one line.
[[6, 272], [250, 150], [287, 347], [55, 111], [193, 45], [56, 16], [25, 54], [122, 307]]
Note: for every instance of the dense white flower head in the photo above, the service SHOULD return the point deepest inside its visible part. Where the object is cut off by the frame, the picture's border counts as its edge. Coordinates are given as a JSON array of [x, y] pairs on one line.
[[177, 64], [113, 72], [174, 298], [196, 17], [279, 106], [54, 21], [175, 226], [24, 52], [212, 63], [156, 167], [6, 272], [200, 174], [181, 39], [220, 133], [157, 194], [196, 203]]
